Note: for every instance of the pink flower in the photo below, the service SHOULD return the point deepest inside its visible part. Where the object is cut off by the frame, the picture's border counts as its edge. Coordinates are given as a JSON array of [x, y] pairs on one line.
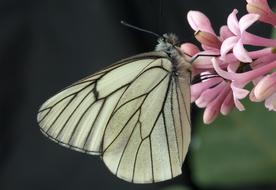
[[204, 31], [221, 103], [224, 67], [188, 50], [205, 34], [202, 93], [265, 87], [214, 95], [220, 93], [270, 102], [199, 22], [241, 37], [265, 90], [261, 8], [240, 80], [235, 42], [236, 80]]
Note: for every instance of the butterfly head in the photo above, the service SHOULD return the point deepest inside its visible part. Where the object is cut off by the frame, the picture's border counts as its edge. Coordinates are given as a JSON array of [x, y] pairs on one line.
[[167, 42]]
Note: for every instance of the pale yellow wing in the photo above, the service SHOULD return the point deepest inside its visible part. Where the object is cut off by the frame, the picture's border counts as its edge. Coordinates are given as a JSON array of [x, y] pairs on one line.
[[148, 134], [135, 114], [76, 117]]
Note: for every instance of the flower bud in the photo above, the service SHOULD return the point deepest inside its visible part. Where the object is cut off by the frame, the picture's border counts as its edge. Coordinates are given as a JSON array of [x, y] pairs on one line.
[[265, 87], [261, 8], [208, 39]]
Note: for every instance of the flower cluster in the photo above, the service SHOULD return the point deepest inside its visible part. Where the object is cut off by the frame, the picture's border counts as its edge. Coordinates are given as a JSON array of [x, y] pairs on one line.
[[224, 67]]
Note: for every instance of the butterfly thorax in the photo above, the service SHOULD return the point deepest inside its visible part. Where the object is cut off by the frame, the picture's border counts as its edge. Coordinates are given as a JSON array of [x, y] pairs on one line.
[[169, 44]]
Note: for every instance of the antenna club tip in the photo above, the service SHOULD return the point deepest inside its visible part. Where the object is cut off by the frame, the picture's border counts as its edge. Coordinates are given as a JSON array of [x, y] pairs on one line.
[[137, 28]]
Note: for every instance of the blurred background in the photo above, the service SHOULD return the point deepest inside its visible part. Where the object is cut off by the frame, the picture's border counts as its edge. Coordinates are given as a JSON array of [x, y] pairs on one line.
[[46, 45]]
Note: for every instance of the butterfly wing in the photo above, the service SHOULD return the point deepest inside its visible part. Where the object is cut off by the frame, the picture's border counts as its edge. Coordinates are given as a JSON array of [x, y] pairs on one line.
[[76, 116], [148, 134], [133, 114]]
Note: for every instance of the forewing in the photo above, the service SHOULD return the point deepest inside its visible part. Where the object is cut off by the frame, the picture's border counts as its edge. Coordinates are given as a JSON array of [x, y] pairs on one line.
[[77, 116], [147, 135]]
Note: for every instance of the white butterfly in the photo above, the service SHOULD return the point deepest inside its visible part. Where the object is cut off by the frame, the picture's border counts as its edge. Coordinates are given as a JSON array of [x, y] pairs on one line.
[[135, 114]]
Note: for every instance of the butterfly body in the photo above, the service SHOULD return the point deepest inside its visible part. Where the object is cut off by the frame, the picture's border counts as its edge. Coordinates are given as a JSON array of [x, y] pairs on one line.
[[169, 44], [135, 114]]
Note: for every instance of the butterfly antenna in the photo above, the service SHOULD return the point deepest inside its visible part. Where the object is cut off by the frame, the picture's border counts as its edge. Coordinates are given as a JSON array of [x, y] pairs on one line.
[[140, 29]]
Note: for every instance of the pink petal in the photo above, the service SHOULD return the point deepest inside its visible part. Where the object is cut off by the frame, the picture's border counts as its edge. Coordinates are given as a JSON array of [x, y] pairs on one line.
[[266, 87], [227, 104], [232, 22], [259, 3], [197, 89], [222, 73], [208, 39], [270, 103], [208, 48], [252, 96], [240, 53], [204, 62], [247, 20], [229, 58], [239, 93], [264, 55], [238, 104], [209, 95], [256, 80], [199, 22], [240, 79], [210, 114], [261, 62], [262, 8], [244, 78], [251, 39], [227, 45], [213, 108], [189, 48], [233, 67], [225, 32]]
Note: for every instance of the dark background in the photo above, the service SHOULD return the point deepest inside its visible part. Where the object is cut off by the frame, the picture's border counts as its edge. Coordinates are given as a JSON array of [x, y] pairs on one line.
[[48, 44]]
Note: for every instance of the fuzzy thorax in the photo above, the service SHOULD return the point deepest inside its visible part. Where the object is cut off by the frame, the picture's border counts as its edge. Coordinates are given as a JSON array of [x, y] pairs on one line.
[[169, 43]]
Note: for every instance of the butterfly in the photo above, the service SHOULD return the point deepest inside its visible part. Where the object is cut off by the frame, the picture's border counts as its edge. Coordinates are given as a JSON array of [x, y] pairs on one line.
[[134, 114]]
